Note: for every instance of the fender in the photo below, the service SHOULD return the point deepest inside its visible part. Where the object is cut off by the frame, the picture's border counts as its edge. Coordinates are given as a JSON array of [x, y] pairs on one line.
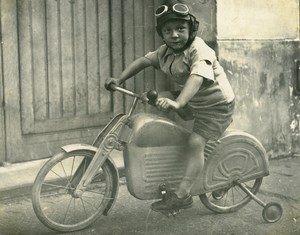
[[237, 156], [112, 166]]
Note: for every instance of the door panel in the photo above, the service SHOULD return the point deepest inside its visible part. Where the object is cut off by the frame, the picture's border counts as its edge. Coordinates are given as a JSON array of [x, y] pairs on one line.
[[62, 68], [2, 117]]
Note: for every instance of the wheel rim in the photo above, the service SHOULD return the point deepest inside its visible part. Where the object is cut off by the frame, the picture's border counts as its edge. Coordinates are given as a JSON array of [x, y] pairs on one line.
[[231, 198], [57, 204]]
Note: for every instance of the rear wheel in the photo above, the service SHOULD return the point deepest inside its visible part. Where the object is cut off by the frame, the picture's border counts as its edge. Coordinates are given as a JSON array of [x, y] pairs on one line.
[[230, 199], [53, 196]]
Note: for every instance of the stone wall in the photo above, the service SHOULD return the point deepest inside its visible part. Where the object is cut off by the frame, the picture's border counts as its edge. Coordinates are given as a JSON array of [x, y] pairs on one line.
[[258, 42]]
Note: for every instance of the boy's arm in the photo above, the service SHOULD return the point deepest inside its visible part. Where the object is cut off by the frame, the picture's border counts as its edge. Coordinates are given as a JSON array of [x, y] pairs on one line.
[[190, 88], [133, 68]]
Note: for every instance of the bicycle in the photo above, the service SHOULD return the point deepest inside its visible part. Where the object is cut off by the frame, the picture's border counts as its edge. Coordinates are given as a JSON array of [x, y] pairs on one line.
[[79, 184]]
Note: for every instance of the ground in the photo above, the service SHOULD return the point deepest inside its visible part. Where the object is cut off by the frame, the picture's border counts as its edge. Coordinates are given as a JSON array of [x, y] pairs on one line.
[[132, 216]]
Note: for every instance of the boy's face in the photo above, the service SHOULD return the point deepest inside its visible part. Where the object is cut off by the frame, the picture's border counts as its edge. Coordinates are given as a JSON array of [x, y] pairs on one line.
[[176, 34]]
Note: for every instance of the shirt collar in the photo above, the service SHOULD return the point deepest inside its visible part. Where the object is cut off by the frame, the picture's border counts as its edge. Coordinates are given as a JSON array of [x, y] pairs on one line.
[[170, 51]]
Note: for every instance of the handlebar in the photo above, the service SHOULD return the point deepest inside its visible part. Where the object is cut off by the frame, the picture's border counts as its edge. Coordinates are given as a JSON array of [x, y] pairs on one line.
[[185, 113], [151, 95]]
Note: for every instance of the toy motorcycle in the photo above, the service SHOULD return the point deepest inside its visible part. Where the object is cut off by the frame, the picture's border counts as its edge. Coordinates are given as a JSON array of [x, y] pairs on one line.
[[80, 183]]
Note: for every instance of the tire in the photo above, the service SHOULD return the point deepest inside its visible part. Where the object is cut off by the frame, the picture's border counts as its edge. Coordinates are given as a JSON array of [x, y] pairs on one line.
[[52, 195], [230, 199]]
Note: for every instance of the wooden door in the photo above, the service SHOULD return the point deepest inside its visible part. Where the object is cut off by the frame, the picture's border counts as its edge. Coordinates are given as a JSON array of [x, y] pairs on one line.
[[55, 56]]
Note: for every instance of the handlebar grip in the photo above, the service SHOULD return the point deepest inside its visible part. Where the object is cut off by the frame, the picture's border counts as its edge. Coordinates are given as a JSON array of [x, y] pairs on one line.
[[152, 96], [111, 86]]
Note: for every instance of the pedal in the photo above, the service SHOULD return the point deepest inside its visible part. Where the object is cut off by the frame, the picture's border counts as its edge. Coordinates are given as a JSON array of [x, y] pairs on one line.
[[163, 190], [168, 214]]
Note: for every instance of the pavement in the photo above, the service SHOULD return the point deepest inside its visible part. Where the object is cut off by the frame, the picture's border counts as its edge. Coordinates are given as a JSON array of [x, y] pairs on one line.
[[283, 181], [17, 179]]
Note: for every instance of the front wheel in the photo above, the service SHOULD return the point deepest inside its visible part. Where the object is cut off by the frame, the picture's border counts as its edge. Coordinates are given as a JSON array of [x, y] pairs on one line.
[[230, 199], [54, 201]]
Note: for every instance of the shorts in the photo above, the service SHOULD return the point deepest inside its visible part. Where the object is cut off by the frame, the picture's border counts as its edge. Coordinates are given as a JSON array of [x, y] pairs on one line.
[[212, 122]]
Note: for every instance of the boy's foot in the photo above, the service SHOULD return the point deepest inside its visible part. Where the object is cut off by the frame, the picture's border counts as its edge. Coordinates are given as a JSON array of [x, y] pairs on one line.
[[172, 202]]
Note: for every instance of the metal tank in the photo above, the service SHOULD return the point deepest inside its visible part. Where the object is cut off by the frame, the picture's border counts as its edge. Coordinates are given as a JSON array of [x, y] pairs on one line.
[[155, 155]]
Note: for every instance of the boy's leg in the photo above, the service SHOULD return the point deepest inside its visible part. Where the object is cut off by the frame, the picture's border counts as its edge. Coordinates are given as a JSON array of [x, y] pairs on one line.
[[195, 164], [181, 198]]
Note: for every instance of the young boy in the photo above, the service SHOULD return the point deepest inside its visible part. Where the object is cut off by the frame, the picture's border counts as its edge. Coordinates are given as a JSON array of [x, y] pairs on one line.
[[190, 63]]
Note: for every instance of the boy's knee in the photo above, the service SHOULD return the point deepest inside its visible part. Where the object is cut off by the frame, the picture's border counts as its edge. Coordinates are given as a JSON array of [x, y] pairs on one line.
[[197, 142]]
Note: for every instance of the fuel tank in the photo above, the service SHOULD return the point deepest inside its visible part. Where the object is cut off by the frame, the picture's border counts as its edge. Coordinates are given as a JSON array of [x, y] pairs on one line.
[[150, 130], [154, 154]]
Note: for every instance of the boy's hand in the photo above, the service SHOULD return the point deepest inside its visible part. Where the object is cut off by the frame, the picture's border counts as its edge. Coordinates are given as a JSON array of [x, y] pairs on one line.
[[144, 98], [164, 104], [110, 81]]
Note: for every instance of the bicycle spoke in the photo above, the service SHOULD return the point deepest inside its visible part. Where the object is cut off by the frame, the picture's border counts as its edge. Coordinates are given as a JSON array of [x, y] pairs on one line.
[[93, 193], [100, 193], [232, 196], [63, 168], [226, 195], [74, 216], [55, 186], [68, 209], [56, 174], [237, 189], [97, 176], [50, 197], [72, 166], [83, 207], [90, 204], [68, 178]]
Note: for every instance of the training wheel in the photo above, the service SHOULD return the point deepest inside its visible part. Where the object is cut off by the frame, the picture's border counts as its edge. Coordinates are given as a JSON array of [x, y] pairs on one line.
[[272, 212]]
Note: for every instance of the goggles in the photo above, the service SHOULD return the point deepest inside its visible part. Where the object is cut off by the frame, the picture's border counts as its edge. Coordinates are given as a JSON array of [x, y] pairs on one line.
[[178, 8]]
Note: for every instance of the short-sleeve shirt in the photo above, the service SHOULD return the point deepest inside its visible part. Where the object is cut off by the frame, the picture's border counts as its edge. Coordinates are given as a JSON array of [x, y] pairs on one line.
[[198, 59]]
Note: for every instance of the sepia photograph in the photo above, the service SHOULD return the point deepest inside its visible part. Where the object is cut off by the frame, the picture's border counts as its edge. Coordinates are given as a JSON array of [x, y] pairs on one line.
[[149, 117]]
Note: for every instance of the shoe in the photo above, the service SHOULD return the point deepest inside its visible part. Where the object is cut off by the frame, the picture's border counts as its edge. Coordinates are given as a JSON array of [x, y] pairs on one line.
[[172, 202]]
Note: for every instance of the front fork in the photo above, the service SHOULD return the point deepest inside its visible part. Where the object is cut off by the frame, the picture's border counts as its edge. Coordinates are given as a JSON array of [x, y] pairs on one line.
[[110, 142]]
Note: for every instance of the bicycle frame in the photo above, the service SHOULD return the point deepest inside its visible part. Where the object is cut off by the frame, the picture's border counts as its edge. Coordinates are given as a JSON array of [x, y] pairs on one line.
[[116, 136]]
